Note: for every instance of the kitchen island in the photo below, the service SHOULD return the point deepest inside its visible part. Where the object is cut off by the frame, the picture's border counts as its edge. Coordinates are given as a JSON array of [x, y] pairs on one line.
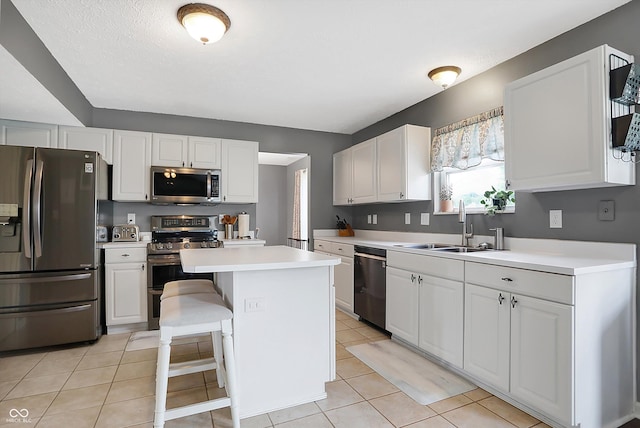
[[283, 321]]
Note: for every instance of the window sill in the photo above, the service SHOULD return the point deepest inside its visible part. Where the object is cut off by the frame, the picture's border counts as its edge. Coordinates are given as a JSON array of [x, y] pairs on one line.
[[509, 210]]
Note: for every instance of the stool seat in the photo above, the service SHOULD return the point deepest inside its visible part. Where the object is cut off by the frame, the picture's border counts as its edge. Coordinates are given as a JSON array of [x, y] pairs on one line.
[[188, 309], [187, 286], [187, 314]]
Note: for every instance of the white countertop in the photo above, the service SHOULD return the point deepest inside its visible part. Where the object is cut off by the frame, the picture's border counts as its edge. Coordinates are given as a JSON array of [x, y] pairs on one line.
[[241, 242], [251, 258], [545, 255]]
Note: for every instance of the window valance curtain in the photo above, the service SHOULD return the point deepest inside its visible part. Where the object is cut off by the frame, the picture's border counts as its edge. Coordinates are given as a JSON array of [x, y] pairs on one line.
[[465, 143]]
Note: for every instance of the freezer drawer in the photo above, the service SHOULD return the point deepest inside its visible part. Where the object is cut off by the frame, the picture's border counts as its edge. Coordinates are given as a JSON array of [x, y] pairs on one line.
[[55, 325], [47, 288]]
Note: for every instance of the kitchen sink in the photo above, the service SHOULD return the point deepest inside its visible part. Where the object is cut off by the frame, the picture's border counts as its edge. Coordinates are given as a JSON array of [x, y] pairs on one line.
[[460, 249], [428, 246]]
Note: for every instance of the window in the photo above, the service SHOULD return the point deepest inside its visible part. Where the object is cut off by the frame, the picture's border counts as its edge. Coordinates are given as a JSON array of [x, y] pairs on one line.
[[470, 184], [467, 158]]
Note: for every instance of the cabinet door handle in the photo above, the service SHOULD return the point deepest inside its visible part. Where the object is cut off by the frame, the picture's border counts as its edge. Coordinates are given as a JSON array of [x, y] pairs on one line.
[[142, 267], [401, 195], [506, 279], [513, 301], [191, 165], [182, 163], [413, 278], [125, 255], [419, 279], [500, 298]]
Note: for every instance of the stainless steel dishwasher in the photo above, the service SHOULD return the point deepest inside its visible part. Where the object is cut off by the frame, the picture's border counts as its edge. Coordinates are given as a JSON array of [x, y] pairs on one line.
[[370, 284]]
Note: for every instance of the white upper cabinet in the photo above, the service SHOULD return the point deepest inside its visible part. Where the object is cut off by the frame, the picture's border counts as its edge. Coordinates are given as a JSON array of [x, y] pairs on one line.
[[169, 150], [239, 171], [28, 134], [131, 163], [205, 152], [363, 188], [94, 139], [342, 177], [392, 167], [184, 151], [403, 164], [558, 127]]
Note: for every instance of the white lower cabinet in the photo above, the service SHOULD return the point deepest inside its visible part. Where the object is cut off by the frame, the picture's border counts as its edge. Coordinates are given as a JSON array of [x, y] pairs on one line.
[[558, 344], [125, 286], [424, 303], [343, 273]]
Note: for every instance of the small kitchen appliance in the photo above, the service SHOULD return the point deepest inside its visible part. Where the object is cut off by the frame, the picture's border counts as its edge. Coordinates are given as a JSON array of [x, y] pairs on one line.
[[126, 233]]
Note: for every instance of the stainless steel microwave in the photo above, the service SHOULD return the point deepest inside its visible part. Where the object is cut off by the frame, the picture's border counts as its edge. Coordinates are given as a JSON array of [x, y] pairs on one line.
[[184, 186]]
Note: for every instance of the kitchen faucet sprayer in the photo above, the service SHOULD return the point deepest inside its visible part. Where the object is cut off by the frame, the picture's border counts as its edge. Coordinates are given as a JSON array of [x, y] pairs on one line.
[[462, 218]]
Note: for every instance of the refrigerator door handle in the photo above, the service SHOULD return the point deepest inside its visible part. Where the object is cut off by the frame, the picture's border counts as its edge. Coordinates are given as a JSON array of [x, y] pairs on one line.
[[37, 207], [26, 209]]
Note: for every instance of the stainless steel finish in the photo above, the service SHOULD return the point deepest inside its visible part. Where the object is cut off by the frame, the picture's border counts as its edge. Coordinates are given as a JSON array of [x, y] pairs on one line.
[[427, 246], [126, 233], [370, 285], [460, 249], [186, 188], [462, 218], [37, 209], [170, 234], [498, 239], [26, 211], [49, 283]]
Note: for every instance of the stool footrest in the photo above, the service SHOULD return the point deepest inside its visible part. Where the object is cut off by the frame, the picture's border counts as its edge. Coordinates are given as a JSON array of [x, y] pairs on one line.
[[192, 409], [192, 366]]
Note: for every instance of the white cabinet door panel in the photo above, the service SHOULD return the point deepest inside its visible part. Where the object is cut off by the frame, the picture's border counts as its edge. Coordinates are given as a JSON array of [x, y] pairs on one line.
[[342, 177], [169, 150], [205, 153], [239, 171], [343, 281], [28, 134], [486, 335], [93, 139], [364, 172], [402, 304]]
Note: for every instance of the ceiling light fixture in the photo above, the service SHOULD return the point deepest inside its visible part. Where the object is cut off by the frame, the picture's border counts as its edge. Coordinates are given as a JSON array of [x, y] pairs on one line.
[[203, 22], [444, 76]]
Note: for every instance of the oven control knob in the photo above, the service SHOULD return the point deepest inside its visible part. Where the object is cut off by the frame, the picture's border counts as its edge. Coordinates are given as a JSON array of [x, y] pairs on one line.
[[159, 246], [204, 244], [187, 245], [169, 246]]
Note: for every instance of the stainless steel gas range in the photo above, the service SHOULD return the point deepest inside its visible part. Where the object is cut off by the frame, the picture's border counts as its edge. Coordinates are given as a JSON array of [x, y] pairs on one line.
[[170, 234]]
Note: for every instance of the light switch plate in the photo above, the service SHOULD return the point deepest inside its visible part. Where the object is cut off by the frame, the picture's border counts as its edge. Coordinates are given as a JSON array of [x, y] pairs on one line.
[[131, 218], [374, 218], [407, 218], [369, 219], [424, 219]]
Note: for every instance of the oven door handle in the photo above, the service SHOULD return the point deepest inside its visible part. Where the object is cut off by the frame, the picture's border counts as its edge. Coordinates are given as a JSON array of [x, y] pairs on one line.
[[164, 262], [155, 292]]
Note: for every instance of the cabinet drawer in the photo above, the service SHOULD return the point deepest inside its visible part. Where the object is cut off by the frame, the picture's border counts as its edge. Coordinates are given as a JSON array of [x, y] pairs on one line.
[[319, 245], [436, 266], [549, 286], [125, 255], [344, 250]]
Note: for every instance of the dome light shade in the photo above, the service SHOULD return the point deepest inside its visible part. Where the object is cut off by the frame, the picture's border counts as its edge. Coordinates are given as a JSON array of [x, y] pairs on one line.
[[445, 76], [205, 23]]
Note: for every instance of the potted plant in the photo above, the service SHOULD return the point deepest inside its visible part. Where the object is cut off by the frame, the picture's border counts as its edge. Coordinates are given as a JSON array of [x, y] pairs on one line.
[[344, 228], [495, 201], [446, 192]]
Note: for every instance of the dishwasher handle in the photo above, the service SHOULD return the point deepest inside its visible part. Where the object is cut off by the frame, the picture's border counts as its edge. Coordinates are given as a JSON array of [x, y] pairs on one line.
[[370, 256]]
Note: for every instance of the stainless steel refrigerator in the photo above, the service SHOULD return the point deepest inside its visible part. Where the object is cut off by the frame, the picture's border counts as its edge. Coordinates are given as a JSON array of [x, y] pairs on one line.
[[49, 264]]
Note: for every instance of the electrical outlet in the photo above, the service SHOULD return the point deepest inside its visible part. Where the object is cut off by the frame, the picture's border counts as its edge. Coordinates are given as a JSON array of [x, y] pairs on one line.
[[555, 219], [407, 218], [424, 219], [606, 211], [369, 219], [256, 304], [374, 218], [131, 218]]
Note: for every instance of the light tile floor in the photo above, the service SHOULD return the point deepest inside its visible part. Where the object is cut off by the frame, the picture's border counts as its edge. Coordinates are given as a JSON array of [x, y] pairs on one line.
[[102, 385]]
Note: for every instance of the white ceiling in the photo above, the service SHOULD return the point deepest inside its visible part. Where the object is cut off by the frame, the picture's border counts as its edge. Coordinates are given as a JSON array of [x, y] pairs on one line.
[[329, 65]]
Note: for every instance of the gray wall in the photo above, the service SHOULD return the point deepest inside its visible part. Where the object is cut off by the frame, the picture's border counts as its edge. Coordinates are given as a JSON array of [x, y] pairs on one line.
[[320, 146], [618, 29], [271, 210]]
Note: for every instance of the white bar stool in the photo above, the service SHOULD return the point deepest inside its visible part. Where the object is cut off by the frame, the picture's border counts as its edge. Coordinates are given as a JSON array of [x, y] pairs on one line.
[[193, 314], [187, 286]]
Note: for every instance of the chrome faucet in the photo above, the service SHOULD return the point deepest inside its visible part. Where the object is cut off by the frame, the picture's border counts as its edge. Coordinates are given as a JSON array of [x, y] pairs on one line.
[[462, 218]]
